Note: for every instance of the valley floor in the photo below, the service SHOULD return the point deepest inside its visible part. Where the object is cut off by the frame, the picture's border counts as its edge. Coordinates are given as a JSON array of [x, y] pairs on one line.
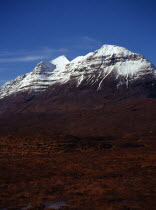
[[90, 174]]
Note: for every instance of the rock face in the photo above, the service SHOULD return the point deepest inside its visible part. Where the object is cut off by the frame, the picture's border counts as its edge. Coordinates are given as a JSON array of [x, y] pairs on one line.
[[110, 67]]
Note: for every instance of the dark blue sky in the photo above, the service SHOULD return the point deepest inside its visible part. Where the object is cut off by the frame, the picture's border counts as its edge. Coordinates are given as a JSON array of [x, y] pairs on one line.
[[35, 30]]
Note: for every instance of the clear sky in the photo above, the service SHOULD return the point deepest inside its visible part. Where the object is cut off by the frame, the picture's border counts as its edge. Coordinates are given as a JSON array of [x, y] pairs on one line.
[[35, 30]]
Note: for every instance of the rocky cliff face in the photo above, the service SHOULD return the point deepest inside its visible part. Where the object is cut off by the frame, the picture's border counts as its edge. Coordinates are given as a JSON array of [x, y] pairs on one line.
[[110, 66]]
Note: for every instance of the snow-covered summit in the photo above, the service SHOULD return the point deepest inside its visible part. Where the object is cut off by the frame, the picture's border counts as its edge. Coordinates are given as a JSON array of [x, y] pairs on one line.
[[77, 59], [122, 65], [44, 67], [60, 61], [109, 50]]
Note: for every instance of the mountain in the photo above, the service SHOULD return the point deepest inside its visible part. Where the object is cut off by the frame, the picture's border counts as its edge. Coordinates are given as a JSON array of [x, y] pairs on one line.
[[109, 74], [122, 65]]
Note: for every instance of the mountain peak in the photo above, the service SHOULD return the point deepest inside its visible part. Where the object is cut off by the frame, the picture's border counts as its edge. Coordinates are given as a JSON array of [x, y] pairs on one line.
[[109, 50], [60, 61], [44, 67]]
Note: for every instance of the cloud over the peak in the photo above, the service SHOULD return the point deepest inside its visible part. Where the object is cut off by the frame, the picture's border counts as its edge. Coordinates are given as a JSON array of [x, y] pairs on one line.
[[20, 59], [83, 43], [23, 55]]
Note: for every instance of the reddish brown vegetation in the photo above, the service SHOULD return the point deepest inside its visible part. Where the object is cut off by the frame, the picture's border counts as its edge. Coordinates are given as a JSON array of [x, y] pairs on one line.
[[97, 158]]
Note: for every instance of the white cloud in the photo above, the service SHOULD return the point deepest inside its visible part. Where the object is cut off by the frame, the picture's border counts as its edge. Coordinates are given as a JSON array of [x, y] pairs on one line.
[[89, 39], [23, 55], [20, 59], [74, 46], [83, 43]]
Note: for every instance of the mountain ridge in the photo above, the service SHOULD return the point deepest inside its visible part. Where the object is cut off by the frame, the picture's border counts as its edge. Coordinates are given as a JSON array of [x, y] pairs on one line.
[[122, 64]]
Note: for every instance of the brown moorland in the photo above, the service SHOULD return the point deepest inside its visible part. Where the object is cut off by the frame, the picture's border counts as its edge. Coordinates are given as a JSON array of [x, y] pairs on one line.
[[96, 158]]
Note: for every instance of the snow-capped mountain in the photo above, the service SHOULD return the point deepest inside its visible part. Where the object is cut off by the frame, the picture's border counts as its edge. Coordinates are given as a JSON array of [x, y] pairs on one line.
[[124, 65], [37, 80], [94, 69]]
